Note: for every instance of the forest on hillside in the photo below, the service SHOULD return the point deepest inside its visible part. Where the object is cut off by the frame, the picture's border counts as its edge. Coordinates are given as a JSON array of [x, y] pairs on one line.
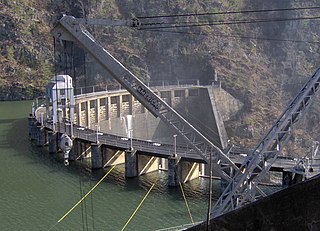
[[261, 64]]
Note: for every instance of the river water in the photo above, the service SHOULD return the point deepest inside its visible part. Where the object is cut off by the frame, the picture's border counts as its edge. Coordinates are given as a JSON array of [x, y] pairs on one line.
[[36, 189]]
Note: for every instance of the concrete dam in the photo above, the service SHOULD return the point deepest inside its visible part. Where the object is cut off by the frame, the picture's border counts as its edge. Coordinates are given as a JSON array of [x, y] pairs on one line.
[[112, 127], [206, 107]]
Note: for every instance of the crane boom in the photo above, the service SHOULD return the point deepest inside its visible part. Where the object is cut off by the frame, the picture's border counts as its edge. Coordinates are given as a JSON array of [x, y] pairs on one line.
[[70, 29], [242, 187]]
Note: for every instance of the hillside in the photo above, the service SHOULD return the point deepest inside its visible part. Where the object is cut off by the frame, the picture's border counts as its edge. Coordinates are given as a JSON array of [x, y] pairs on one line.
[[251, 61]]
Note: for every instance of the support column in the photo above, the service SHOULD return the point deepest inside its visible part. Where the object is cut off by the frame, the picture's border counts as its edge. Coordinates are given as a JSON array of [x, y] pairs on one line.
[[286, 179], [202, 169], [78, 108], [131, 164], [53, 142], [131, 105], [163, 164], [108, 108], [119, 106], [41, 136], [298, 178], [174, 171], [97, 110], [96, 157], [32, 127], [172, 99], [88, 114]]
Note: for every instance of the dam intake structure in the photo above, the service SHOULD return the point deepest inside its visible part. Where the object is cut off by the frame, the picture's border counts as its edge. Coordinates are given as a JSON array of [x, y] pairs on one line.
[[110, 127]]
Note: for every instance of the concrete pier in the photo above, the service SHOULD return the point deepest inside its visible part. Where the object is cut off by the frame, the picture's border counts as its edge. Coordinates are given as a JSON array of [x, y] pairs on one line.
[[41, 136], [174, 171], [34, 131], [96, 156], [131, 163], [286, 179], [52, 142], [31, 127]]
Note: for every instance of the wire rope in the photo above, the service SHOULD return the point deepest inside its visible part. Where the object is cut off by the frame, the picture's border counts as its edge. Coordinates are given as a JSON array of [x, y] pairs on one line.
[[186, 202], [81, 194], [92, 207], [230, 12], [135, 211], [79, 202], [221, 23]]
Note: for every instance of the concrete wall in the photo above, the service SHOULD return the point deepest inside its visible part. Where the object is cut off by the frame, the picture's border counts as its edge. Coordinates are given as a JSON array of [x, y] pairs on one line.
[[227, 105], [294, 208], [201, 106]]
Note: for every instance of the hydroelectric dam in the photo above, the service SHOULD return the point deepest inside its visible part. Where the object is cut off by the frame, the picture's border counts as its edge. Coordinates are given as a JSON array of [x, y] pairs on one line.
[[111, 127]]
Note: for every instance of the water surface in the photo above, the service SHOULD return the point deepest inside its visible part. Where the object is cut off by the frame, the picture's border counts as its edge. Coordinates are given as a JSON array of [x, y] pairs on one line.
[[36, 189]]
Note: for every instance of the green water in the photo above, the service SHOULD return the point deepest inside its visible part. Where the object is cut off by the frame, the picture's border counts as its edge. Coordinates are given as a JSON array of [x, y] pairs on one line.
[[36, 189]]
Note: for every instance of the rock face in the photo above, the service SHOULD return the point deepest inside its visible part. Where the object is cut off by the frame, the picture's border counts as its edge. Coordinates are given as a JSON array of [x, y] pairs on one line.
[[294, 208]]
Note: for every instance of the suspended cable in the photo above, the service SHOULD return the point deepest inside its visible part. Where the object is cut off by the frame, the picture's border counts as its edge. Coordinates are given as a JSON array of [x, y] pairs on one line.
[[217, 22], [54, 99], [229, 12], [85, 73], [186, 202], [232, 36], [85, 213], [81, 194], [210, 192], [92, 211], [55, 91], [74, 69], [67, 94], [135, 211], [93, 188], [220, 23]]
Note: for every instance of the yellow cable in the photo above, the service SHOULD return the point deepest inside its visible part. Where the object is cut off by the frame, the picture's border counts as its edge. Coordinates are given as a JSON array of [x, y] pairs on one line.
[[185, 200], [66, 214], [138, 207]]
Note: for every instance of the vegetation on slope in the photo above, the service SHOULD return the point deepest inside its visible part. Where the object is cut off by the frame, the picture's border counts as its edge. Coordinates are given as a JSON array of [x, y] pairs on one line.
[[263, 74]]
